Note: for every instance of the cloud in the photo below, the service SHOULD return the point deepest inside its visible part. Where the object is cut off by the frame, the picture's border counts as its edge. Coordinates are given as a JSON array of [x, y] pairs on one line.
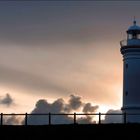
[[74, 103], [113, 118], [88, 108], [12, 120], [6, 100], [40, 23], [26, 80], [60, 106], [42, 106], [86, 120]]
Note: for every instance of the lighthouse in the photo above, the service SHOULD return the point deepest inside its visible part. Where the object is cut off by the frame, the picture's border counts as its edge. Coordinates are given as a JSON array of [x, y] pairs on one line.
[[130, 50]]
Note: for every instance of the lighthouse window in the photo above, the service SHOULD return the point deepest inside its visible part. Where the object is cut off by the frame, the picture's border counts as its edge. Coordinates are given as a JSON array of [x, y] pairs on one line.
[[126, 65], [129, 36], [126, 93], [134, 36], [138, 36]]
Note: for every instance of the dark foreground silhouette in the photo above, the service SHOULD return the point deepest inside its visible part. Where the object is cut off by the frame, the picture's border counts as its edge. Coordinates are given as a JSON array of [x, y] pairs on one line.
[[105, 131]]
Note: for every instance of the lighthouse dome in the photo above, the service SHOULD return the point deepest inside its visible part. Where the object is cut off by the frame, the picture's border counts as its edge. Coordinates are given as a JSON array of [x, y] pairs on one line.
[[134, 28]]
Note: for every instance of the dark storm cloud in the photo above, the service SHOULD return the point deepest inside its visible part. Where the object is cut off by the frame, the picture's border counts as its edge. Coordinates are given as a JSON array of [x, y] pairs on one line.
[[59, 106], [6, 100]]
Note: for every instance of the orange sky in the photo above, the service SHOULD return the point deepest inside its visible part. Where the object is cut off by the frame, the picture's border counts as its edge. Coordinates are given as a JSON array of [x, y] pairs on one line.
[[51, 50]]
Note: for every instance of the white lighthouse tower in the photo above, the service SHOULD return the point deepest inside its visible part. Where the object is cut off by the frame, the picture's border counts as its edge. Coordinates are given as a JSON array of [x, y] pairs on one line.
[[130, 49]]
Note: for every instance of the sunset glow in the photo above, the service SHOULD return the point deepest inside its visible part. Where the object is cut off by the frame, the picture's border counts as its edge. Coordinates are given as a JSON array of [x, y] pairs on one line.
[[52, 50]]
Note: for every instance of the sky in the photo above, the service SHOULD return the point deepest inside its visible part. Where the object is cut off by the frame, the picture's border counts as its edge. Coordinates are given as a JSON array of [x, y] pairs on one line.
[[55, 49]]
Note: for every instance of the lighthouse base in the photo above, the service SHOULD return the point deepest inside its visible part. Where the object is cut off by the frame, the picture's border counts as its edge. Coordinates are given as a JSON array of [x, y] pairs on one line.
[[132, 114]]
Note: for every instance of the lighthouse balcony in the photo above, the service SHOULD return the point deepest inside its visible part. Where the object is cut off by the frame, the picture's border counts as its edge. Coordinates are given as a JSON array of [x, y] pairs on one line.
[[130, 43]]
